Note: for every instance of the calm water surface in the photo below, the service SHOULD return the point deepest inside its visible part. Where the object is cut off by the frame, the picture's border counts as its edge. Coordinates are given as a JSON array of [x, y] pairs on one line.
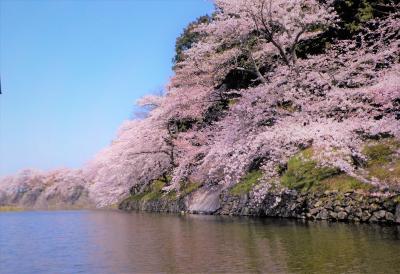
[[118, 242]]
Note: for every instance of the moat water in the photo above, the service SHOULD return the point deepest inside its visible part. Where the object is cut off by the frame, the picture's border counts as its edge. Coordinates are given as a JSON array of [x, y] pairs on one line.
[[119, 242]]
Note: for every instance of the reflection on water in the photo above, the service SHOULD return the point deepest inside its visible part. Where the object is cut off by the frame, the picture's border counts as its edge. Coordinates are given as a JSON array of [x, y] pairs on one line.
[[118, 242]]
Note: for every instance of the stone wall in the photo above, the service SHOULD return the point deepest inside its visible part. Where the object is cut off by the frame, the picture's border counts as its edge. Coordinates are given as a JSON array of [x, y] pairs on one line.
[[330, 205], [153, 206]]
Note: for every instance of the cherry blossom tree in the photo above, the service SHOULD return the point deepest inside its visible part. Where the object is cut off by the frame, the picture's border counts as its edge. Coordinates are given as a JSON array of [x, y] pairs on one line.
[[244, 32], [29, 188], [333, 103]]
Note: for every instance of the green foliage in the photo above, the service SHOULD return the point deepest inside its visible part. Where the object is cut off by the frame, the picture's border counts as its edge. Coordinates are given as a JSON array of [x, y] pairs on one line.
[[8, 208], [171, 196], [389, 173], [383, 161], [188, 38], [167, 179], [136, 197], [188, 188], [365, 12], [233, 101], [341, 183], [354, 13], [246, 183], [155, 191], [381, 152], [303, 172]]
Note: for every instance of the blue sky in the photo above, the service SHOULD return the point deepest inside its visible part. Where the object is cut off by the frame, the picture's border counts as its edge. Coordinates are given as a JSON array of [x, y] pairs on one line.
[[72, 70]]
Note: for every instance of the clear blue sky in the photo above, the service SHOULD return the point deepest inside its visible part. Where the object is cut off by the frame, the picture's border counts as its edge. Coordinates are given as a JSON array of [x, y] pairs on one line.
[[72, 70]]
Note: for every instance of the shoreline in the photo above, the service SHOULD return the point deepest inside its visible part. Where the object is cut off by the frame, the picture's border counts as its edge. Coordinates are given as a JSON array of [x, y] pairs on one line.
[[332, 206]]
